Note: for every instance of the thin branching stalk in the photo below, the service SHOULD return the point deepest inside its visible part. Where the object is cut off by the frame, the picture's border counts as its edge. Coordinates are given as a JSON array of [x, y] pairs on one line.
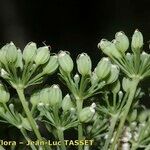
[[60, 133], [132, 91], [24, 133], [33, 124], [60, 130], [111, 130], [80, 128]]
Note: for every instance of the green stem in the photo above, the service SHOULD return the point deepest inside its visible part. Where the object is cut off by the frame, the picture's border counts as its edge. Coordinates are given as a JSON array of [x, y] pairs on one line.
[[114, 99], [80, 129], [30, 74], [24, 133], [132, 91], [60, 133], [137, 60], [111, 130], [24, 71], [14, 73], [81, 89], [36, 78], [33, 124]]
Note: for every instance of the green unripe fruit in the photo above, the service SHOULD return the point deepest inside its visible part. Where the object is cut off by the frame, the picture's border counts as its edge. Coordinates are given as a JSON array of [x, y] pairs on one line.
[[35, 98], [45, 96], [87, 114], [42, 55], [67, 103], [94, 78], [84, 64], [122, 41], [144, 57], [103, 68], [76, 79], [116, 87], [137, 40], [143, 116], [51, 66], [129, 57], [55, 95], [11, 53], [109, 48], [114, 73], [126, 82], [29, 52], [4, 94], [65, 62]]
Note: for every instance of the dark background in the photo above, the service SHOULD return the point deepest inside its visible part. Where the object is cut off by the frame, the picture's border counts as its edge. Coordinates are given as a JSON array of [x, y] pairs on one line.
[[73, 25]]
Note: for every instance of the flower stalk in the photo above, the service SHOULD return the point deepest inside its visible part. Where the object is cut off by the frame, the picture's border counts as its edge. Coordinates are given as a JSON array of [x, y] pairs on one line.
[[126, 111], [111, 131], [60, 133], [24, 133], [34, 126], [79, 103]]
